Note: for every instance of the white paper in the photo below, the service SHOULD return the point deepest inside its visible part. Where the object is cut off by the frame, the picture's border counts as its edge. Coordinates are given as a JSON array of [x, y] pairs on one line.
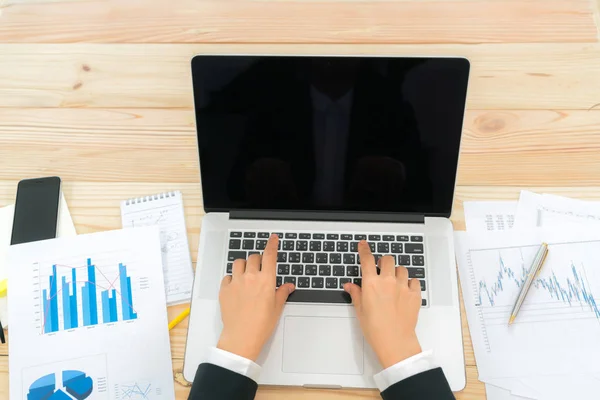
[[115, 359], [497, 393], [536, 210], [65, 228], [485, 216], [541, 341], [166, 211]]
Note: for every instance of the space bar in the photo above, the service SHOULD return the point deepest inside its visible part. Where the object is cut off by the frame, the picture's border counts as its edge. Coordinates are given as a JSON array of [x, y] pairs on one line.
[[319, 296]]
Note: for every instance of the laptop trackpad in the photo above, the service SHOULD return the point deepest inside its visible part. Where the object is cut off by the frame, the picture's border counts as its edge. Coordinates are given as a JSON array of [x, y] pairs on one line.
[[322, 345]]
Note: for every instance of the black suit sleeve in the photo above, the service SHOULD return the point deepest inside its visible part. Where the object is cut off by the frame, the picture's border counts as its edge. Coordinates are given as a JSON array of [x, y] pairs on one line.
[[217, 383], [430, 385]]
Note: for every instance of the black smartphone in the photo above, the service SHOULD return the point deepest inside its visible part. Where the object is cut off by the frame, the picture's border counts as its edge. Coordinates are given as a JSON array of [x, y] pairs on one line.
[[36, 210]]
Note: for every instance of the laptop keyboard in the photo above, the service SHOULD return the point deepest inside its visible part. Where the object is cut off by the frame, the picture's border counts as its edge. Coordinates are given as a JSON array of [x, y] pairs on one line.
[[319, 264]]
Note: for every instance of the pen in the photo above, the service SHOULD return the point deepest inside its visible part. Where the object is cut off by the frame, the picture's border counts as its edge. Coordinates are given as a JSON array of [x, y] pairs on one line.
[[534, 270], [179, 318]]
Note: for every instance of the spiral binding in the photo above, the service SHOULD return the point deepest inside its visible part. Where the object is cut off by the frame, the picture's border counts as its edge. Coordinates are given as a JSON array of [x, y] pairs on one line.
[[153, 197]]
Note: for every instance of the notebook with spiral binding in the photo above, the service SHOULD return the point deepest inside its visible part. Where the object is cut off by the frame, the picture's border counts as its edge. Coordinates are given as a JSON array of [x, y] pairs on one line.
[[166, 211]]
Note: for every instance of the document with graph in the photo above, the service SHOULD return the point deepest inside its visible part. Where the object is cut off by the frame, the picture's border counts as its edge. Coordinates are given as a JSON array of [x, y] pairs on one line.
[[88, 318], [557, 329]]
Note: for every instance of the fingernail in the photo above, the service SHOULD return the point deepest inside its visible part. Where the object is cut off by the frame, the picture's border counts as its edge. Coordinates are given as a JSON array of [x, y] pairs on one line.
[[291, 288]]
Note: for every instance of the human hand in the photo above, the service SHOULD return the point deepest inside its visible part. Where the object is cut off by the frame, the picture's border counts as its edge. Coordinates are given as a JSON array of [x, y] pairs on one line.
[[250, 305], [387, 307]]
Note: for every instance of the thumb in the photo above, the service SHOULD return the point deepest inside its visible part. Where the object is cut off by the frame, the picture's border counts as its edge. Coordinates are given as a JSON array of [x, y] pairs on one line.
[[282, 294], [355, 292]]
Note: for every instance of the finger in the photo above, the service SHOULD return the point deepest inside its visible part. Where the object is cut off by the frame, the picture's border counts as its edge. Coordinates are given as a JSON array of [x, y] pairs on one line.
[[225, 281], [282, 294], [239, 267], [402, 275], [253, 263], [269, 257], [387, 265], [414, 285], [367, 261], [355, 292]]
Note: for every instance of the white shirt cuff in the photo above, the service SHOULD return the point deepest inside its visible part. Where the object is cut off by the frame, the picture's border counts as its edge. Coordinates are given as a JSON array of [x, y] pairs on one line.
[[234, 363], [405, 369]]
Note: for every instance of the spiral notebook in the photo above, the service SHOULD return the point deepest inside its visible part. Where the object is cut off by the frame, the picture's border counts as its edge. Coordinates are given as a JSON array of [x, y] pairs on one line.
[[166, 211]]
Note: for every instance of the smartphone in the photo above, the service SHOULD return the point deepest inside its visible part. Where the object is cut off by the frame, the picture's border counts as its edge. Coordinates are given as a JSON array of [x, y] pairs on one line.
[[36, 210]]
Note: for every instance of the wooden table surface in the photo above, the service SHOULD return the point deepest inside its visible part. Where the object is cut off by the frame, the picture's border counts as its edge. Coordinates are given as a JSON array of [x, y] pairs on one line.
[[99, 93]]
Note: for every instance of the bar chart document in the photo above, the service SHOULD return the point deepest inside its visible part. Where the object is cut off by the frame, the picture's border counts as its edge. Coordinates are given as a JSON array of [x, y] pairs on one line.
[[86, 309]]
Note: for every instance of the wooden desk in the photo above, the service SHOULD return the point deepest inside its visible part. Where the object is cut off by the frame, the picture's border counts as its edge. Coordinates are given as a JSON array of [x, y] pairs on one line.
[[99, 92]]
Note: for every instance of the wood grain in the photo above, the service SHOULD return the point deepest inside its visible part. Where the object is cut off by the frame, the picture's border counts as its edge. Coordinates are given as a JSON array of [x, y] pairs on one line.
[[238, 21], [503, 76]]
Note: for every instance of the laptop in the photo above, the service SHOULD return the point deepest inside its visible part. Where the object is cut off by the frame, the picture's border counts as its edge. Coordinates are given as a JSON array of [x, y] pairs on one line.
[[324, 152]]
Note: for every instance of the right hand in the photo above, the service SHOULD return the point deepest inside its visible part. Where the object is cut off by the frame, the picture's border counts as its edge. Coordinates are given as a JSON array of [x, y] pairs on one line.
[[387, 307]]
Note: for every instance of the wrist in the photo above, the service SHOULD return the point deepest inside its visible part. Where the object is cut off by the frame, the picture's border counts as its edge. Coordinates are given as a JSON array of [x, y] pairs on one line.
[[403, 348], [240, 347]]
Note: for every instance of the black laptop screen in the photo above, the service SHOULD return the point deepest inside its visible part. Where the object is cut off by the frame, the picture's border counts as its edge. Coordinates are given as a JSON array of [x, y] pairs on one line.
[[329, 133]]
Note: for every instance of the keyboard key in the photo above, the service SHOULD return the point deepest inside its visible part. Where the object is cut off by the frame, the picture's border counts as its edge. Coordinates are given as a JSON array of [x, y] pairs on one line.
[[291, 235], [331, 283], [304, 236], [335, 258], [360, 237], [375, 238], [303, 282], [278, 234], [418, 261], [354, 247], [397, 248], [248, 244], [229, 268], [352, 270], [322, 258], [383, 247], [288, 245], [297, 269], [279, 281], [289, 279], [349, 259], [263, 235], [310, 270], [308, 258], [253, 252], [279, 245], [422, 285], [301, 245], [261, 244], [294, 257], [416, 238], [316, 283], [235, 255], [315, 246], [235, 244], [377, 257], [372, 246], [413, 248], [423, 302], [283, 269], [343, 281], [249, 234], [346, 237], [328, 246], [416, 272], [388, 238], [324, 270], [404, 260], [357, 281], [318, 236], [342, 246], [402, 238], [338, 270], [235, 234], [333, 236], [281, 257]]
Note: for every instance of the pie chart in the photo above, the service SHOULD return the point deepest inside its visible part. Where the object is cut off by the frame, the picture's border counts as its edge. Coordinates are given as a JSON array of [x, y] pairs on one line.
[[76, 385]]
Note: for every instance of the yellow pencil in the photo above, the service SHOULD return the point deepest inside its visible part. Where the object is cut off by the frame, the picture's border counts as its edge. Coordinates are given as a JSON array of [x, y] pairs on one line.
[[3, 287], [179, 318]]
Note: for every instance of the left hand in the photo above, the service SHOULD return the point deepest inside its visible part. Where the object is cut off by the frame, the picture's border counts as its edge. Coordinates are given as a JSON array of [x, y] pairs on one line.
[[250, 305]]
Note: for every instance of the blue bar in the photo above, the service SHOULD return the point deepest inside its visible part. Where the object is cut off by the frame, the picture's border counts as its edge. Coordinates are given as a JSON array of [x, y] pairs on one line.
[[54, 300], [105, 307], [66, 304], [125, 293], [47, 314], [73, 300], [86, 304], [132, 314], [92, 300], [112, 302]]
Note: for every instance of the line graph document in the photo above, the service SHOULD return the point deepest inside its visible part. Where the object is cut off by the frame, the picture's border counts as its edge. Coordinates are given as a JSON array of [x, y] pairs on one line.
[[84, 312], [545, 210], [557, 329]]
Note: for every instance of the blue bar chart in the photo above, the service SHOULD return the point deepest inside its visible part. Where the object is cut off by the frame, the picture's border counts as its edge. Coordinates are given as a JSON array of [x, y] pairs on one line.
[[74, 296]]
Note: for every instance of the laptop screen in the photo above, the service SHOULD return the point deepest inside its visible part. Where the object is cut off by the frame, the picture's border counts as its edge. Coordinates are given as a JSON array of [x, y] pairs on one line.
[[329, 133]]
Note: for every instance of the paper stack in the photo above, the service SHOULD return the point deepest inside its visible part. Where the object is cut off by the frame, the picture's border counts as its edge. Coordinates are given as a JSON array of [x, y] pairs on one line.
[[552, 349]]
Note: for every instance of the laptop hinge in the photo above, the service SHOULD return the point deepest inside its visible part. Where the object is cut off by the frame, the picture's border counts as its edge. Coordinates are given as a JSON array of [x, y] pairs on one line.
[[328, 216]]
